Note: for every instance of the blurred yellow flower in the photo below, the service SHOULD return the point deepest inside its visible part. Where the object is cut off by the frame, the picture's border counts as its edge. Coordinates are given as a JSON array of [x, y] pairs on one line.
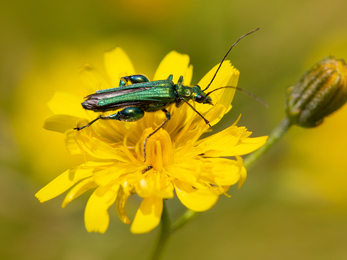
[[176, 158]]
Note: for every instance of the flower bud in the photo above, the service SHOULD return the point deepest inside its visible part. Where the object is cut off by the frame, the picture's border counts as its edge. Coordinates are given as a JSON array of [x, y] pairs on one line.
[[319, 92]]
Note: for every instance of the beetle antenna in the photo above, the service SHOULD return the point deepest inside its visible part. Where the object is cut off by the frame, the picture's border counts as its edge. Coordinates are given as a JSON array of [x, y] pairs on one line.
[[232, 46], [244, 91]]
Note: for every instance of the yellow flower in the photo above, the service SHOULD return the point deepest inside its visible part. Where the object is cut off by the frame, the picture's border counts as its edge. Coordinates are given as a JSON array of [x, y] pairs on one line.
[[176, 159]]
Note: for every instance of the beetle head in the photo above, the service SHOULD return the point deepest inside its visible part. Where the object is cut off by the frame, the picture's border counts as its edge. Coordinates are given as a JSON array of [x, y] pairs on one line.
[[199, 96]]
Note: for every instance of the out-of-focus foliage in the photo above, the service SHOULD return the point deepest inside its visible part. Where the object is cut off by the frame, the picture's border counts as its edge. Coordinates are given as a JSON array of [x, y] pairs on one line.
[[293, 204]]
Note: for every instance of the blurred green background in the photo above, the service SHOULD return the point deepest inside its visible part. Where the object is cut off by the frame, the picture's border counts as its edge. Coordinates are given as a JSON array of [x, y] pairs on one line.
[[293, 204]]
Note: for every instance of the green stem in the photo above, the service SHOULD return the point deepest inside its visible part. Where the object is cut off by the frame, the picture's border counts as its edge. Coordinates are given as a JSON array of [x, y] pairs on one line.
[[275, 135], [184, 219], [164, 235]]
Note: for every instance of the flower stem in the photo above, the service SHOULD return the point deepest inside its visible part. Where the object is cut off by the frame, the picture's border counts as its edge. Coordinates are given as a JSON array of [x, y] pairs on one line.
[[164, 235], [275, 135], [184, 219]]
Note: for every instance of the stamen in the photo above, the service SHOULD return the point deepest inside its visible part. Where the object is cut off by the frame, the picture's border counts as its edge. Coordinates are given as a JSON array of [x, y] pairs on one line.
[[158, 148]]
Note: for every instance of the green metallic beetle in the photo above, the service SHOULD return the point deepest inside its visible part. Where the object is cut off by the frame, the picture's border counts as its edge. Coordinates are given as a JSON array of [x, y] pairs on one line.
[[148, 96]]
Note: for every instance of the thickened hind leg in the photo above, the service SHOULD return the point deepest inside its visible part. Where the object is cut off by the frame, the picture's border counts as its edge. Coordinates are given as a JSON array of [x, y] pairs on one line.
[[134, 79], [128, 114]]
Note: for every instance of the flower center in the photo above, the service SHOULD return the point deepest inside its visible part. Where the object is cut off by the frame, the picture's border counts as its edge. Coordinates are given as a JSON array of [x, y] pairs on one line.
[[158, 148]]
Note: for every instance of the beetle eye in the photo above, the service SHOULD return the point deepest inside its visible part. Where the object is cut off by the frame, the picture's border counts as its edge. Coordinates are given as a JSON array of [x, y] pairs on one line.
[[199, 98]]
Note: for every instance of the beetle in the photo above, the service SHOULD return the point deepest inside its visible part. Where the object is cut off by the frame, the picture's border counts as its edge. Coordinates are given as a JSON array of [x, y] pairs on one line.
[[148, 96]]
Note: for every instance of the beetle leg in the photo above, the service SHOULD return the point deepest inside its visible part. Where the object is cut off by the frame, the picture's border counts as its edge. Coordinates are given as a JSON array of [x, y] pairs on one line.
[[139, 78], [180, 80], [91, 122], [128, 114], [170, 77], [206, 121], [168, 117], [147, 169]]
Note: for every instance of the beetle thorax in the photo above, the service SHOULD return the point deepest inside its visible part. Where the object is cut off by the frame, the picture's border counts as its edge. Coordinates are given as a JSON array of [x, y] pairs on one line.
[[184, 91]]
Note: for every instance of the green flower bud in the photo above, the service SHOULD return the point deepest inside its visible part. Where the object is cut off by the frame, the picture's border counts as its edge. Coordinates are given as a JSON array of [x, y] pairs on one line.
[[319, 92]]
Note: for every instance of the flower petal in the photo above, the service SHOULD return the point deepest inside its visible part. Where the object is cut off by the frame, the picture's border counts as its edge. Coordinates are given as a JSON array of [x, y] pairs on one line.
[[66, 103], [195, 199], [78, 190], [63, 182], [157, 183], [148, 215], [228, 94], [224, 76], [96, 216], [219, 142], [118, 64], [112, 173], [122, 198], [231, 141], [243, 173], [248, 145], [176, 64], [71, 142], [60, 123], [92, 79], [93, 145], [216, 114], [225, 172], [185, 170]]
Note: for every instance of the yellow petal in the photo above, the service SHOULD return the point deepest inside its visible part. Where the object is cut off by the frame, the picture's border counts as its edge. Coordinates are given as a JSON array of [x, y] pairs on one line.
[[249, 145], [92, 78], [243, 173], [98, 148], [185, 170], [71, 142], [225, 172], [165, 187], [189, 139], [216, 143], [148, 215], [118, 64], [231, 141], [195, 199], [216, 114], [228, 93], [66, 103], [122, 198], [96, 217], [155, 183], [176, 64], [63, 182], [111, 173], [60, 123], [78, 190], [221, 80], [223, 74]]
